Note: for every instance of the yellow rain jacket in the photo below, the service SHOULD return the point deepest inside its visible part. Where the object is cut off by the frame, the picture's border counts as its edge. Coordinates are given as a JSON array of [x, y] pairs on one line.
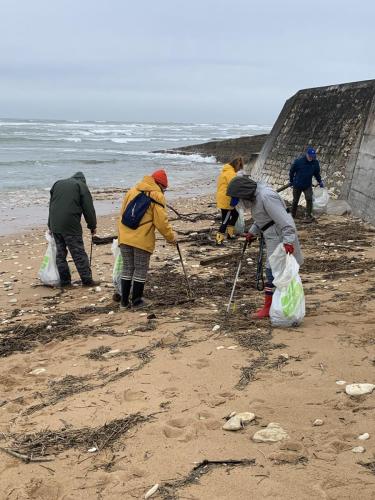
[[155, 217], [226, 175]]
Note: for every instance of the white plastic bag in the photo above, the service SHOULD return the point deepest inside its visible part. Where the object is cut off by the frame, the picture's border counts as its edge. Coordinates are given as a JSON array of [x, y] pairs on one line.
[[239, 227], [117, 266], [288, 302], [320, 199], [48, 273]]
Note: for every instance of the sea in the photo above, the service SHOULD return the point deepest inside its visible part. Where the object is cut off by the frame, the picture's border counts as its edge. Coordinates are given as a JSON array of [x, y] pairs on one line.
[[112, 155]]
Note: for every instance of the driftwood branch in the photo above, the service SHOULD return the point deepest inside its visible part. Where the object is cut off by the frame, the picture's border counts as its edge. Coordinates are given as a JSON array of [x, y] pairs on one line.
[[26, 458]]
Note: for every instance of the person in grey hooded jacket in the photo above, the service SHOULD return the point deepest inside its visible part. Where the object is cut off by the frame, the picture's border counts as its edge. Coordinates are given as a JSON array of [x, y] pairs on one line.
[[271, 219]]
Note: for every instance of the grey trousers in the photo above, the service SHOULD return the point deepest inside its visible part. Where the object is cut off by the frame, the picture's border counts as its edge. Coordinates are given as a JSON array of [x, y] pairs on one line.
[[73, 243], [308, 192], [135, 263]]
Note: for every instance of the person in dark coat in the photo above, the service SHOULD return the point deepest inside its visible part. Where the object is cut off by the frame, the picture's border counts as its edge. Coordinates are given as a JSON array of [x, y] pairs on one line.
[[301, 173], [70, 199]]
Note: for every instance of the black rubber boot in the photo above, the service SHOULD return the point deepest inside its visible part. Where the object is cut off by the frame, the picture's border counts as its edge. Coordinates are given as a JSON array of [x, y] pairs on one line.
[[125, 292], [137, 300]]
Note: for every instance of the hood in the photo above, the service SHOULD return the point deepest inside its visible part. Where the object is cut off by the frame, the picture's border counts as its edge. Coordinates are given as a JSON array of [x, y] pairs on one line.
[[78, 176], [242, 187], [228, 168], [148, 184]]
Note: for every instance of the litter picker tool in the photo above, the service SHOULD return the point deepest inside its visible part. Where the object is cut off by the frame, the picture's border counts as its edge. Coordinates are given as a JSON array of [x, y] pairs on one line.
[[237, 275], [283, 188], [259, 276], [185, 273], [91, 249]]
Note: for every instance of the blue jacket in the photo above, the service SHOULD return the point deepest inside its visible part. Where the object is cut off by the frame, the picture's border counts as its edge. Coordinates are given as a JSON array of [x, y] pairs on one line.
[[302, 171]]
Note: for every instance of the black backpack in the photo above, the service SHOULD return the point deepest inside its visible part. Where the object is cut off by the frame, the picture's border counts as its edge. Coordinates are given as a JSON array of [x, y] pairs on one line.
[[136, 209]]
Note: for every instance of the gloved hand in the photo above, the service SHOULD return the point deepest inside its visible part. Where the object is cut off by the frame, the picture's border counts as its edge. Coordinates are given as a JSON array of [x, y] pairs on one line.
[[234, 201], [250, 237], [321, 184], [93, 231], [289, 248]]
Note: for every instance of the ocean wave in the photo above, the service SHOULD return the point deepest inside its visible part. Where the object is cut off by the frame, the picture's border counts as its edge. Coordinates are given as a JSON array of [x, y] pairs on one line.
[[118, 140]]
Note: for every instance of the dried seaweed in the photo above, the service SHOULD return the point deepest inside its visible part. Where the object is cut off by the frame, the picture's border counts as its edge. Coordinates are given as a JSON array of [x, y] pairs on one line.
[[48, 442], [169, 489]]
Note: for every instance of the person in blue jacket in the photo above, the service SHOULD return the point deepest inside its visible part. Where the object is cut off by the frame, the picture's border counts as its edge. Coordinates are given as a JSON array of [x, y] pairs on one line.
[[301, 173]]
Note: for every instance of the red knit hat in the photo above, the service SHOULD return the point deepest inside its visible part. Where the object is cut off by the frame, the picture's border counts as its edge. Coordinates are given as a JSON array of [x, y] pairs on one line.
[[160, 177]]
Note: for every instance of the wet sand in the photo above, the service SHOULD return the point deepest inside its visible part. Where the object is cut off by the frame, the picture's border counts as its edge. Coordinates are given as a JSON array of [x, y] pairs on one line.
[[154, 407]]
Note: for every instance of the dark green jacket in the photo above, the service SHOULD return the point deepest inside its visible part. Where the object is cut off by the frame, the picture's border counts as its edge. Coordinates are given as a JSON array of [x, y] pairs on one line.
[[70, 198]]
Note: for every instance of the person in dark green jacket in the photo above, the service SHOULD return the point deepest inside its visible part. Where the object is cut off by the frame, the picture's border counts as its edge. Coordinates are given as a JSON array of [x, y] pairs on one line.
[[70, 199]]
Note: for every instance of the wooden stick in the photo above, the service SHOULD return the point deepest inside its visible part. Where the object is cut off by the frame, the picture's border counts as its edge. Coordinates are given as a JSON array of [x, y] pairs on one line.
[[26, 458]]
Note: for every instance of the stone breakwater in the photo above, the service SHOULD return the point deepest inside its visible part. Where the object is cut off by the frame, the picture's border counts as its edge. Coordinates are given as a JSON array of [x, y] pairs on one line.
[[225, 150]]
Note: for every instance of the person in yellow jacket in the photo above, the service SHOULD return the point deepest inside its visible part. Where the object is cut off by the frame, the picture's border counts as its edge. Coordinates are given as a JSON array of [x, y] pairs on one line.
[[138, 244], [229, 214]]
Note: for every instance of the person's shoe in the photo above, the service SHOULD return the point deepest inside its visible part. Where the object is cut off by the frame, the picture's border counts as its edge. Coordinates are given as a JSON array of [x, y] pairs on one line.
[[230, 233], [137, 300], [309, 219], [264, 312], [67, 284], [91, 283], [220, 237], [125, 292], [140, 304]]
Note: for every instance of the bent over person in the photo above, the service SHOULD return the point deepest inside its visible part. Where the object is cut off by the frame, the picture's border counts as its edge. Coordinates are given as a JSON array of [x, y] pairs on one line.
[[225, 203], [272, 220], [137, 242], [70, 199]]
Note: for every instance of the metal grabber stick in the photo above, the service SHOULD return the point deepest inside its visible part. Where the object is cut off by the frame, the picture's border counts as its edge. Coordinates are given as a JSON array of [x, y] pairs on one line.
[[237, 275], [185, 273], [91, 250]]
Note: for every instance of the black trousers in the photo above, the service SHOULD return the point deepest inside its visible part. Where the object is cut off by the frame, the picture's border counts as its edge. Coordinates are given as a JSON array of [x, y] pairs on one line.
[[230, 221], [308, 192], [73, 243]]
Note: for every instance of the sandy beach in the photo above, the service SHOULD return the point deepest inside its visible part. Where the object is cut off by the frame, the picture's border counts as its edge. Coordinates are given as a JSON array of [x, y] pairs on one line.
[[101, 404]]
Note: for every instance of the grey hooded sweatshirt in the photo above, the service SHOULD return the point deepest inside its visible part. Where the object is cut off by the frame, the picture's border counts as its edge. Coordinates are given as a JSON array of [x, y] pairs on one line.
[[266, 205], [70, 199]]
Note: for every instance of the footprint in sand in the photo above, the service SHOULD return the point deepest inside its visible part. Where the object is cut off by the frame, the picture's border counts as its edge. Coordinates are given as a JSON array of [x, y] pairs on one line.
[[201, 363], [170, 392], [172, 432], [130, 395]]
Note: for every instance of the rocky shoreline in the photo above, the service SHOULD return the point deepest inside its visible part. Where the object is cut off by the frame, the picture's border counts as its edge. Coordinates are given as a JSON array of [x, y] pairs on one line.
[[224, 150]]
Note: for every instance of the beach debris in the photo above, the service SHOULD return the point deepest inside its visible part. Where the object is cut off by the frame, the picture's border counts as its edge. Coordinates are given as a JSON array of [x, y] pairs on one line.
[[340, 382], [271, 434], [37, 371], [111, 353], [358, 449], [359, 389], [98, 289], [232, 347], [238, 421], [364, 437], [92, 450], [219, 347], [318, 422], [13, 301], [151, 491], [216, 328]]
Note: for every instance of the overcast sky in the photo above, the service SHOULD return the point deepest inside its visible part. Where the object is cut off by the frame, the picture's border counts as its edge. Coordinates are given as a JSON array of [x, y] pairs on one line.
[[169, 60]]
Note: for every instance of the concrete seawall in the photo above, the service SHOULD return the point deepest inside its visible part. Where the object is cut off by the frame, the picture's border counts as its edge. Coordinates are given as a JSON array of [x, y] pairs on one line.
[[339, 121]]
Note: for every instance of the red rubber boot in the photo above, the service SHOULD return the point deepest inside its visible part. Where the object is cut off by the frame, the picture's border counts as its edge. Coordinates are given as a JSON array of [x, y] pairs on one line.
[[265, 311]]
